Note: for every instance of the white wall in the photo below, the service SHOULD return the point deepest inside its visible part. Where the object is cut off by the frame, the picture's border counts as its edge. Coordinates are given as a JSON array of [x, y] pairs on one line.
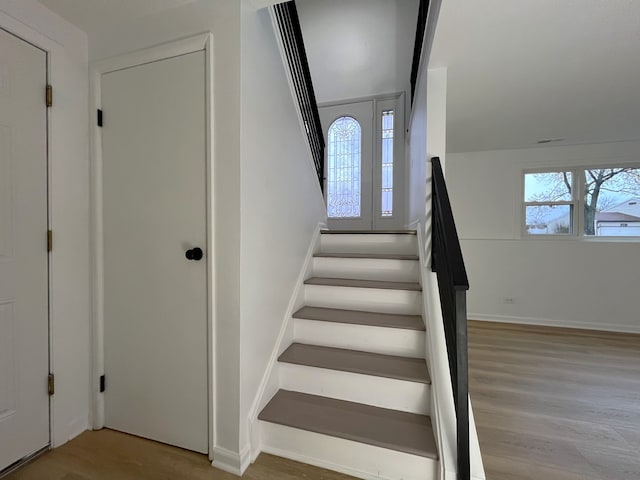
[[417, 154], [565, 282], [281, 203], [222, 17], [69, 207], [427, 138], [358, 48]]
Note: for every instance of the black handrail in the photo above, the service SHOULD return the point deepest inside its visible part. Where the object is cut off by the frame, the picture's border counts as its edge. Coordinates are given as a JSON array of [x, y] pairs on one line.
[[447, 262], [423, 10], [291, 34]]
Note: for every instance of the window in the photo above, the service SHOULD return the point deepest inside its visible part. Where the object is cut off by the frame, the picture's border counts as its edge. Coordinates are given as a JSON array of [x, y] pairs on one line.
[[387, 163], [605, 202], [549, 202], [343, 176]]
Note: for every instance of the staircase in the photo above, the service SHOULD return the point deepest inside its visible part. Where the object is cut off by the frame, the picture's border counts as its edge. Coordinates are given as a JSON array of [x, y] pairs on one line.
[[354, 387]]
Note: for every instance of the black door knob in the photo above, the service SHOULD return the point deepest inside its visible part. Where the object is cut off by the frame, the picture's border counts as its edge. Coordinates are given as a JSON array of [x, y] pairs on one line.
[[194, 254]]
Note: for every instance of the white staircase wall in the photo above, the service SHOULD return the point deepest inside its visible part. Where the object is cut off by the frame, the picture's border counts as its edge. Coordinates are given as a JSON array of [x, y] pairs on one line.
[[282, 205]]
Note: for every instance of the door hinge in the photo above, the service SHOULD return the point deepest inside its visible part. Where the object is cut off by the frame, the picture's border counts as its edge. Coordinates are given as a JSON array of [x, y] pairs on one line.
[[49, 240], [49, 95], [51, 384], [102, 383], [99, 117]]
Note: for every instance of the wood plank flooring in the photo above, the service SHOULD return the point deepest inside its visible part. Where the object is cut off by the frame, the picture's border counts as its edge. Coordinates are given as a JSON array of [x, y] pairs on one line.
[[553, 404], [110, 455], [558, 404]]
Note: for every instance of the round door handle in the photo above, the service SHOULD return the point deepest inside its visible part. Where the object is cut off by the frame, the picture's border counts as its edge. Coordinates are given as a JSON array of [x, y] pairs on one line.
[[194, 254]]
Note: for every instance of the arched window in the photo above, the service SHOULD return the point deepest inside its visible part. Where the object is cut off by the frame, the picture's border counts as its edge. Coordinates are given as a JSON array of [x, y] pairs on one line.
[[344, 162]]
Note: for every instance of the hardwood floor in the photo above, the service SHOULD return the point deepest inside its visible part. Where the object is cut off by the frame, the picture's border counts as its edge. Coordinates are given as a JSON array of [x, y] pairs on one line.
[[111, 455], [558, 404], [552, 404]]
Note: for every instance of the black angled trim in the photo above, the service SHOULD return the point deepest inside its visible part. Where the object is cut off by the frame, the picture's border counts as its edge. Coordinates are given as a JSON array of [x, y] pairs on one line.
[[423, 12], [102, 383], [99, 117]]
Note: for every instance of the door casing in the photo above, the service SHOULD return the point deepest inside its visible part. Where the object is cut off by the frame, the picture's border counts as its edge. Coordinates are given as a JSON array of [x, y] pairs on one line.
[[24, 34], [189, 45]]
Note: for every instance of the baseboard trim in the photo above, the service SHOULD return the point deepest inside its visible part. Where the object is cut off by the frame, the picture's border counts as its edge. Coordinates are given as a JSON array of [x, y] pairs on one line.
[[231, 462], [546, 322]]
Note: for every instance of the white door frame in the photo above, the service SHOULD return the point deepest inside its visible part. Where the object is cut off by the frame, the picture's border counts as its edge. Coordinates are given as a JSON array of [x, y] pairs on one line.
[[399, 149], [167, 50], [24, 33]]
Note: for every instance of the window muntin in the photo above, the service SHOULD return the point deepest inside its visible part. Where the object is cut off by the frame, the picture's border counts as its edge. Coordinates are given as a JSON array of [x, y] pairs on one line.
[[607, 205], [344, 182], [549, 203], [387, 164]]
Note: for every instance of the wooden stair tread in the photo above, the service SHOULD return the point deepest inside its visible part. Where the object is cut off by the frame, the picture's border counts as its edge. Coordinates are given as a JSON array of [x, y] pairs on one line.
[[400, 431], [370, 232], [358, 317], [377, 256], [349, 282], [365, 363]]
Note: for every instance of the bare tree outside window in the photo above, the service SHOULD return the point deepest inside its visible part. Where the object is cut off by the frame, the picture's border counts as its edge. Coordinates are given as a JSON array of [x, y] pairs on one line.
[[604, 190]]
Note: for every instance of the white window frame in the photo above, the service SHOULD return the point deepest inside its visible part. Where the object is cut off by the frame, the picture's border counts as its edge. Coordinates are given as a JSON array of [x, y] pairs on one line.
[[574, 203], [578, 201]]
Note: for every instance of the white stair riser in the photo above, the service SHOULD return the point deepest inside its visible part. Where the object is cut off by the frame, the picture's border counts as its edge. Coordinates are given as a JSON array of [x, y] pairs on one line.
[[381, 392], [367, 243], [368, 299], [366, 269], [352, 458], [383, 340]]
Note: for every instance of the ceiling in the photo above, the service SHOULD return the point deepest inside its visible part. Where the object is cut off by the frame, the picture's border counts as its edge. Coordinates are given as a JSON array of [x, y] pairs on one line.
[[96, 15], [529, 70], [358, 48]]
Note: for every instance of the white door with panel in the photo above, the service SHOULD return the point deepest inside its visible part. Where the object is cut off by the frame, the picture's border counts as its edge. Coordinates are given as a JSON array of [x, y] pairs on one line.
[[155, 275], [24, 304], [364, 164]]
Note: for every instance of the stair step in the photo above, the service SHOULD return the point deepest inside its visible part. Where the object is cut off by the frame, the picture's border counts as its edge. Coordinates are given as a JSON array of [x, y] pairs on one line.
[[378, 256], [400, 431], [358, 317], [368, 232], [348, 282], [365, 363]]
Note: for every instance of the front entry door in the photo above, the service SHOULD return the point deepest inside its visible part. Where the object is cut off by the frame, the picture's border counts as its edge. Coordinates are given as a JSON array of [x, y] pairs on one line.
[[348, 131], [364, 164], [155, 275], [24, 305]]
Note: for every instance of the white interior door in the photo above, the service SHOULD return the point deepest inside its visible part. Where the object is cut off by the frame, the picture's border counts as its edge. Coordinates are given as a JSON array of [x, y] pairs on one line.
[[155, 298], [24, 324], [364, 164], [348, 132]]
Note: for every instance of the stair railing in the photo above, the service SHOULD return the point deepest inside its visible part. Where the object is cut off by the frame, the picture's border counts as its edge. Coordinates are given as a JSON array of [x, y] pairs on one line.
[[286, 15], [448, 264]]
